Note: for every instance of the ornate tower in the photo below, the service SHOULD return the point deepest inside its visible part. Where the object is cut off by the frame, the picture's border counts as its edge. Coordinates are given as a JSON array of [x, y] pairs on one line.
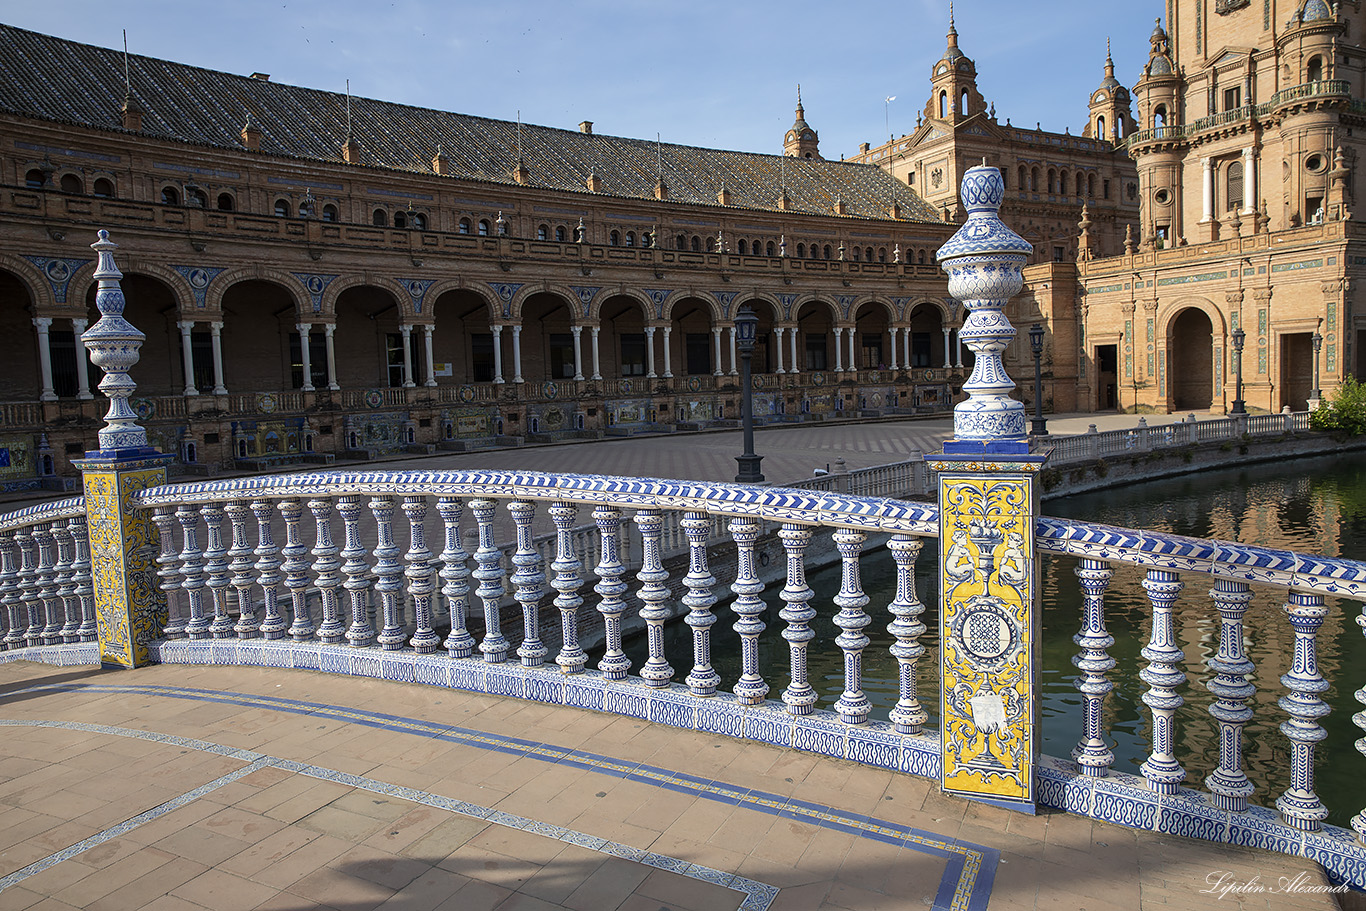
[[1158, 147], [1110, 115], [801, 141], [954, 96]]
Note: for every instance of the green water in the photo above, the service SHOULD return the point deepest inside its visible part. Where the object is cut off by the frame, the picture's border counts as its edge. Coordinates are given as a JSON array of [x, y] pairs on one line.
[[1315, 506]]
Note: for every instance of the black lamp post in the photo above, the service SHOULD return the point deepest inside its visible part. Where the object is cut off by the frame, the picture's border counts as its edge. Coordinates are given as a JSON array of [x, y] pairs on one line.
[[1238, 337], [1316, 392], [1040, 426], [745, 325]]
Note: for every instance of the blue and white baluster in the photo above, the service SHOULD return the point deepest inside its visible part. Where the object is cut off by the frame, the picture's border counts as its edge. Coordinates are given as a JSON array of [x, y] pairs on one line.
[[654, 596], [66, 583], [455, 575], [748, 606], [333, 627], [702, 679], [568, 569], [419, 575], [1092, 751], [216, 565], [248, 624], [9, 591], [528, 581], [295, 566], [268, 574], [489, 571], [1300, 807], [48, 583], [85, 585], [800, 695], [1228, 786], [361, 632], [614, 664], [1163, 676], [388, 573], [192, 572], [169, 560], [853, 704], [908, 716], [28, 587], [1359, 719]]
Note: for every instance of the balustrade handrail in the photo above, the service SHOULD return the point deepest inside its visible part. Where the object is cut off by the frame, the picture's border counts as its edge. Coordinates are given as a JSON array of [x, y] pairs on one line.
[[69, 508]]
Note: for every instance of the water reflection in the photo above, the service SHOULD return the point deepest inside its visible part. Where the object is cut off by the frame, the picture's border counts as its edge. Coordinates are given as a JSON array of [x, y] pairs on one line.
[[1310, 505]]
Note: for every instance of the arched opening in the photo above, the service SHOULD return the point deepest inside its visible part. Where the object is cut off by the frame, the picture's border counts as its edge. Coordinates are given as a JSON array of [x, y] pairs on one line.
[[614, 238], [1234, 196], [281, 208], [771, 249], [696, 244], [1192, 361], [621, 345], [744, 247], [462, 343], [261, 345], [690, 342], [170, 196], [815, 337], [1062, 182], [21, 379], [330, 212], [150, 305], [561, 235], [872, 346], [543, 232], [483, 227], [226, 202], [547, 342], [927, 339], [196, 197], [35, 179], [367, 341], [1100, 127], [380, 219], [943, 105], [70, 183], [464, 226], [1159, 116], [963, 103], [1314, 72], [400, 219], [104, 188]]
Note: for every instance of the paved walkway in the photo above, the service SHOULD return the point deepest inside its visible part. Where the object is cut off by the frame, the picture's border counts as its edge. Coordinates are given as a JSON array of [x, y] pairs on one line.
[[181, 787]]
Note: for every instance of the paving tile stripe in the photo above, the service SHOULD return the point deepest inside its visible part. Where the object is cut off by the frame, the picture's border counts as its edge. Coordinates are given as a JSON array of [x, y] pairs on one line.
[[758, 896], [969, 870]]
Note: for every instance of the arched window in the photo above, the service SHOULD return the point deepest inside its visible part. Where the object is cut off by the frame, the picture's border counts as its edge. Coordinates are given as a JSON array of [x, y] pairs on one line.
[[868, 254], [1315, 71], [696, 244], [34, 179], [1160, 116], [814, 252], [380, 219], [680, 242], [1090, 185], [400, 219], [921, 257], [1100, 127], [1235, 186], [196, 197], [882, 254], [560, 233], [614, 238], [70, 183], [1033, 180], [281, 208], [772, 250], [330, 212], [744, 247], [1023, 184], [543, 232], [827, 251], [801, 251], [943, 105], [1062, 182], [170, 196], [630, 238], [1081, 184], [483, 227], [963, 103], [1052, 181], [464, 227], [856, 254], [226, 203], [104, 188], [419, 221], [711, 244]]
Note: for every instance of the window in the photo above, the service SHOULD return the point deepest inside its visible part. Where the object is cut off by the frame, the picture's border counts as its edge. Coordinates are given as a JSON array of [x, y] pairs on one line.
[[35, 179], [856, 254], [419, 221], [697, 351], [633, 354], [1059, 254], [814, 252], [330, 212], [614, 238], [226, 203], [483, 227], [943, 105], [1159, 116], [1315, 71], [481, 357], [380, 219], [922, 343], [542, 232], [815, 351], [1062, 182], [1105, 188], [561, 234], [196, 197], [464, 226], [744, 247], [882, 254], [1052, 181], [170, 197], [1091, 185], [868, 254], [1235, 186], [827, 251], [963, 103], [630, 238], [801, 251], [1233, 98], [921, 257], [70, 183], [771, 249], [1021, 183], [281, 208], [1100, 127], [680, 242], [1033, 180], [871, 350], [104, 188], [696, 244]]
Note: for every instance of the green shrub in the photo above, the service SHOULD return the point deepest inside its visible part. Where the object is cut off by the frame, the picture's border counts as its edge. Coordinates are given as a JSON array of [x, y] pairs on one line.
[[1344, 413]]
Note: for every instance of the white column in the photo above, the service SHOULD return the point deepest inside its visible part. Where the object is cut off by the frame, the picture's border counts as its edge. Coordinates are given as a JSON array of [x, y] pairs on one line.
[[650, 352], [734, 370], [328, 329], [668, 358], [906, 347], [517, 354], [304, 330], [958, 345], [853, 353], [778, 338], [1249, 182], [891, 336], [428, 330], [716, 348], [578, 351], [406, 332], [597, 364], [1207, 190], [42, 324], [497, 353], [78, 327], [187, 346], [216, 340], [948, 355], [796, 368], [839, 349]]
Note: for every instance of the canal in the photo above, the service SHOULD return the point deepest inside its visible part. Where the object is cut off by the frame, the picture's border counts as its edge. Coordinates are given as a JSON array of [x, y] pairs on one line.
[[1315, 505]]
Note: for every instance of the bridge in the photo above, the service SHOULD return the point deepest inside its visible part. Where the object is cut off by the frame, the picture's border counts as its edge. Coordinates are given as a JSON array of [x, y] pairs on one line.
[[394, 585]]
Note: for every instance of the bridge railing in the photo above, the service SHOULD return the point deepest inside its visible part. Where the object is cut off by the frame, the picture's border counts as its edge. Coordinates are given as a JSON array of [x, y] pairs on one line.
[[46, 590]]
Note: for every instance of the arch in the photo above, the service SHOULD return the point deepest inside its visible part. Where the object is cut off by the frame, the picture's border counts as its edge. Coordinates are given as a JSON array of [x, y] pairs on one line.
[[330, 213], [464, 226], [380, 218], [963, 103], [154, 306], [213, 296], [84, 280], [104, 188], [1159, 116], [1233, 185], [774, 308], [856, 309], [546, 318], [516, 307], [1034, 179], [1190, 337], [743, 247], [400, 219], [606, 294], [35, 179], [170, 196], [1100, 126], [926, 320], [71, 183], [22, 377], [943, 105], [1062, 182], [260, 339], [463, 338], [368, 316], [37, 286], [195, 196], [225, 202], [713, 307], [1052, 181], [543, 232], [347, 282], [282, 208], [614, 238], [817, 300], [561, 234], [1314, 69]]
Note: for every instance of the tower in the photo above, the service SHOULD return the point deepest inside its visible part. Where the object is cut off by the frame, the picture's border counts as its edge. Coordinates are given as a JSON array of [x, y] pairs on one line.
[[953, 82], [1158, 147], [1110, 117], [801, 141]]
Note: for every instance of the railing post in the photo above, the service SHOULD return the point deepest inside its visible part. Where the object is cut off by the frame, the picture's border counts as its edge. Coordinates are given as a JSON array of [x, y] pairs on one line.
[[1093, 752], [703, 679], [1163, 675], [800, 696], [1300, 807], [1228, 785], [568, 569], [908, 715], [988, 502], [130, 611]]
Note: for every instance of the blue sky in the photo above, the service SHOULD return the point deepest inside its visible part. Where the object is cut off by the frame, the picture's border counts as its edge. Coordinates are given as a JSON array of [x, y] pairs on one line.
[[698, 72]]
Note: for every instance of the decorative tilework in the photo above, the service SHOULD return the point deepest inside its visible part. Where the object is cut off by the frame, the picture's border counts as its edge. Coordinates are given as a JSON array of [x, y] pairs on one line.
[[199, 279], [58, 273]]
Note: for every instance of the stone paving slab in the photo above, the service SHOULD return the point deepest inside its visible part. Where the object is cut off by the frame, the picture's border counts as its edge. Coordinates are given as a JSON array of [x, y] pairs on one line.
[[279, 789]]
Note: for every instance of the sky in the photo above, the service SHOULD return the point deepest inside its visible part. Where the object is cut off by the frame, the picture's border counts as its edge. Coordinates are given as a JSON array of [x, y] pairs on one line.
[[698, 72]]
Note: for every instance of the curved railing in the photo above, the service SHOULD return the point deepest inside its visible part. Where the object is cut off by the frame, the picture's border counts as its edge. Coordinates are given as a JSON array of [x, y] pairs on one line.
[[46, 589], [308, 571]]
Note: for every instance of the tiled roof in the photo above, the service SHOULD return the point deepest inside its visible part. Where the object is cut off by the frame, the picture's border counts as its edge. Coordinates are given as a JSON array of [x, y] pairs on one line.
[[50, 78]]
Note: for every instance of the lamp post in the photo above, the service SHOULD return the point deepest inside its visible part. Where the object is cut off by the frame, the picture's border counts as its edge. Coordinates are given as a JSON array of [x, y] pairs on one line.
[[1316, 393], [1040, 426], [745, 324], [1238, 337]]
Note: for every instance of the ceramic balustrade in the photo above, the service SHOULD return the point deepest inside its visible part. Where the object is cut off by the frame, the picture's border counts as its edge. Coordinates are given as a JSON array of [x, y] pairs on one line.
[[46, 591]]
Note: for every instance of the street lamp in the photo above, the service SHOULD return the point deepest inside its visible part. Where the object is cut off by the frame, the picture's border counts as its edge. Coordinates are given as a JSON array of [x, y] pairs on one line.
[[745, 325], [1040, 426], [1238, 336], [1316, 392]]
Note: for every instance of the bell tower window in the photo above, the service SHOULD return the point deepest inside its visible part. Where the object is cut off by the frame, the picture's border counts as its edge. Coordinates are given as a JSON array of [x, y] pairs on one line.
[[1315, 72], [943, 105]]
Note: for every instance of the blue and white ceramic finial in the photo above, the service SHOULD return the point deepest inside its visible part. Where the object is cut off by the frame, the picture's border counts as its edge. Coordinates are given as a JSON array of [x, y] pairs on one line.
[[114, 346], [984, 262]]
